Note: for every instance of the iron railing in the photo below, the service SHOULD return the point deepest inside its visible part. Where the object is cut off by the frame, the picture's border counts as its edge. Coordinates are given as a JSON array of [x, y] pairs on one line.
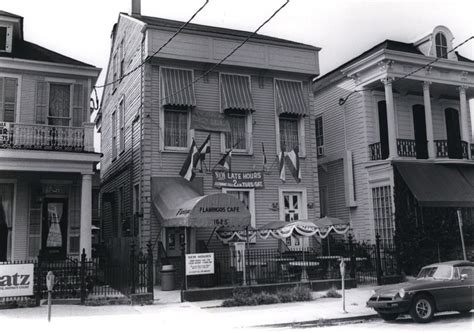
[[46, 137], [406, 148], [375, 150], [442, 149]]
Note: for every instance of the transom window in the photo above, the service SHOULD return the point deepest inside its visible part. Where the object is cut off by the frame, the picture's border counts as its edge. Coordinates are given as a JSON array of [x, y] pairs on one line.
[[237, 138], [176, 128], [288, 132], [441, 46]]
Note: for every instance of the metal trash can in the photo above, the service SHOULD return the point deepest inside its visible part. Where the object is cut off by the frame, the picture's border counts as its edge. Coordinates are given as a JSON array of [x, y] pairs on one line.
[[167, 277]]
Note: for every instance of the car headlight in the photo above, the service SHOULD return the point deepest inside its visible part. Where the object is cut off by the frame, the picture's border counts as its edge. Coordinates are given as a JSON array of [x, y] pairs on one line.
[[401, 293]]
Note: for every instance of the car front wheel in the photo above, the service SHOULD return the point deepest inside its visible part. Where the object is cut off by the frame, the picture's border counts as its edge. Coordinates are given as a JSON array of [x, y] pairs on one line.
[[388, 316], [422, 309]]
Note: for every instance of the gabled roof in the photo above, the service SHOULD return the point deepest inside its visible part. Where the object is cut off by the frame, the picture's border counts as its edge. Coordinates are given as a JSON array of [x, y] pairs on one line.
[[385, 45], [192, 27], [25, 50], [4, 13]]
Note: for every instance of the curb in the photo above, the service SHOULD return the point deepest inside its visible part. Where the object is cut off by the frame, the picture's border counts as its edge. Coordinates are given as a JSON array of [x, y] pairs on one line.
[[320, 322]]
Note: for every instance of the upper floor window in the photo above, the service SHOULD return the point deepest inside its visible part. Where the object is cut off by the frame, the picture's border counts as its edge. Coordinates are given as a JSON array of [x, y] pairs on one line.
[[441, 46], [3, 38], [177, 100], [122, 124], [291, 110], [237, 104], [8, 97], [319, 136], [114, 135]]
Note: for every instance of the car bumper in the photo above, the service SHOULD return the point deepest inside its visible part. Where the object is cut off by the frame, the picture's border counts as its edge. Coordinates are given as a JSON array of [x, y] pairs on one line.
[[393, 306]]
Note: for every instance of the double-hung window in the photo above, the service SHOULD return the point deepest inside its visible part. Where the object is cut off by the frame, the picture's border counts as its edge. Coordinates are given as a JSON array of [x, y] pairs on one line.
[[8, 99], [441, 45], [122, 124], [237, 105], [114, 134], [177, 100], [6, 38], [290, 110], [319, 136]]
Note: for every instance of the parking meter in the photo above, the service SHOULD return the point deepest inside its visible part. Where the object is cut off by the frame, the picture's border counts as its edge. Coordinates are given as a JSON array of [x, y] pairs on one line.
[[50, 286], [342, 267]]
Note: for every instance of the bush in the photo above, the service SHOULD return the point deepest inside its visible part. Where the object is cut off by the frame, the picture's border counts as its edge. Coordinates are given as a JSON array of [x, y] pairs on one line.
[[333, 293], [244, 296]]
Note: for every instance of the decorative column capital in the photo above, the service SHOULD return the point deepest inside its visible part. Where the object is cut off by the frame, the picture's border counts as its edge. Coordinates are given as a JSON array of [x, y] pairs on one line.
[[387, 80], [426, 84], [462, 89]]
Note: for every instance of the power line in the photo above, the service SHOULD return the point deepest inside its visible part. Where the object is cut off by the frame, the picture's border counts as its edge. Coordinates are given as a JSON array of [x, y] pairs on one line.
[[342, 101], [161, 48], [228, 55]]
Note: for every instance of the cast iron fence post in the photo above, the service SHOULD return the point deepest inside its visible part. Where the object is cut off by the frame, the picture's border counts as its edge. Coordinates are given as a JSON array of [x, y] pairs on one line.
[[352, 272], [83, 276], [132, 268], [149, 263], [39, 279], [378, 265]]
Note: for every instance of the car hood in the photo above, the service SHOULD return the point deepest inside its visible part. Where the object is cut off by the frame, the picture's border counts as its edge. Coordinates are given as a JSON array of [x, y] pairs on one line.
[[392, 289]]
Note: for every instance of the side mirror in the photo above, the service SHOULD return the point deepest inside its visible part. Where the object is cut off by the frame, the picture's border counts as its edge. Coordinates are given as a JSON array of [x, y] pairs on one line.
[[463, 277]]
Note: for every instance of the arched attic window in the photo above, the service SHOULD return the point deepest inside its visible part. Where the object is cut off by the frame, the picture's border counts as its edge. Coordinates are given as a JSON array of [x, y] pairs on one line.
[[441, 45]]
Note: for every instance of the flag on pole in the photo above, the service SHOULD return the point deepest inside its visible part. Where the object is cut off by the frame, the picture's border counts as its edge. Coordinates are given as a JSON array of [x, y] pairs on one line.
[[281, 163], [203, 150], [226, 161], [187, 171], [293, 160], [264, 158]]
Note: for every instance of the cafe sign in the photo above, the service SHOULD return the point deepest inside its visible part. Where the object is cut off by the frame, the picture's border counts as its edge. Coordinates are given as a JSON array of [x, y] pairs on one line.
[[16, 280], [199, 263], [239, 179]]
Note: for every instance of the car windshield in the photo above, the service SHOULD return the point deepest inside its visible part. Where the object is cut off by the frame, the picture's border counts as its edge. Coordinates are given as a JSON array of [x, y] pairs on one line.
[[441, 272]]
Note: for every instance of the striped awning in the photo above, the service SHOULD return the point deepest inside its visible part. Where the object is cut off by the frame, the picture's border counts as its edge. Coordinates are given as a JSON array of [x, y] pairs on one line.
[[235, 93], [290, 98], [177, 87]]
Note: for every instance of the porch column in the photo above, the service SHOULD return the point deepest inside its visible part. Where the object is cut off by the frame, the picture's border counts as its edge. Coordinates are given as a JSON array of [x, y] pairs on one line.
[[428, 119], [465, 128], [86, 214], [392, 138]]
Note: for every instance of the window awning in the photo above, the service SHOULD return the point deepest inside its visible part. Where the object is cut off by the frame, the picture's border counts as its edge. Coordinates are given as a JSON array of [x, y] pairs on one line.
[[235, 93], [177, 204], [436, 185], [290, 98], [177, 87]]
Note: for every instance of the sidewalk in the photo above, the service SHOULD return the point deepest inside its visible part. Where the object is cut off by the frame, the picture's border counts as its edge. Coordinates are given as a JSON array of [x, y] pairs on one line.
[[175, 315]]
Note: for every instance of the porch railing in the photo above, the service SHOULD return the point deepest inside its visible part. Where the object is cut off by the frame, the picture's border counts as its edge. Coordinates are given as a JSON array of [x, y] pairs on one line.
[[442, 149], [47, 137], [375, 150], [406, 148]]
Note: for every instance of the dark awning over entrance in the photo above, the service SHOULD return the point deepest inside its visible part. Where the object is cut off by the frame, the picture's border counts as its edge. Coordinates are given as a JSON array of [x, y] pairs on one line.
[[436, 185], [178, 205]]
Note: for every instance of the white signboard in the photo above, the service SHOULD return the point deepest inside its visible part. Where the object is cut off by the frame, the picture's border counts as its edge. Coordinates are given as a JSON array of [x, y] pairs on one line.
[[199, 263], [16, 280]]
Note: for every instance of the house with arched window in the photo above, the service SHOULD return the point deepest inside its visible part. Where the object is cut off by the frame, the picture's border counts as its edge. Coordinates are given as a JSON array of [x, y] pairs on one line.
[[395, 151]]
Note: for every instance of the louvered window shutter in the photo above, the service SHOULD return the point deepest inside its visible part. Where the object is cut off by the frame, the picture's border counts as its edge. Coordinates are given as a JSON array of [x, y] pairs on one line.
[[9, 99], [41, 102], [77, 105]]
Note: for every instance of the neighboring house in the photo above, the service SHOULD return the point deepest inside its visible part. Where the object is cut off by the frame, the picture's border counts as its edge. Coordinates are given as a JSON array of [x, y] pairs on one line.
[[407, 124], [47, 156], [148, 120]]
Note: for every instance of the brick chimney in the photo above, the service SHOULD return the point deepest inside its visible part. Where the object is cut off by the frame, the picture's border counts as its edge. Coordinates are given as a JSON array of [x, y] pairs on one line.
[[136, 7]]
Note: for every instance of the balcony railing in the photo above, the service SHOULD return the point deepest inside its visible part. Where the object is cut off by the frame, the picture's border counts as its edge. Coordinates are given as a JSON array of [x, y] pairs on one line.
[[406, 148], [46, 137]]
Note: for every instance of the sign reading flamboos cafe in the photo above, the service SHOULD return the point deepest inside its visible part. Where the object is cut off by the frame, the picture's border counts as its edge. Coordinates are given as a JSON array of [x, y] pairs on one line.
[[239, 179], [16, 280]]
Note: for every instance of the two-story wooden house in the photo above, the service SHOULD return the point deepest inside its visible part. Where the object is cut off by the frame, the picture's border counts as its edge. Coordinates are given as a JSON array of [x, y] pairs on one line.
[[47, 156], [396, 114], [260, 97]]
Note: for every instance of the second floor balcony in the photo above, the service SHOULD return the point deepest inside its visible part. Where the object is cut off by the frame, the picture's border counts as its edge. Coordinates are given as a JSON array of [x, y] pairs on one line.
[[408, 148], [47, 137]]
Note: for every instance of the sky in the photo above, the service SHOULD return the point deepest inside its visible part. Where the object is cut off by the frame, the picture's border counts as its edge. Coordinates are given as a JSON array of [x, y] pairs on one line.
[[342, 28]]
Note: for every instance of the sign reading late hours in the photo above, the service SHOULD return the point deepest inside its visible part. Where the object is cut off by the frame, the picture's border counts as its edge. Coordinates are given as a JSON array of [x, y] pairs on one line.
[[16, 280], [199, 263], [239, 179]]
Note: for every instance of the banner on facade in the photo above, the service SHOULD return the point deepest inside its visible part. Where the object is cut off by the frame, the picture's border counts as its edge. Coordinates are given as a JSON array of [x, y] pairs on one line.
[[209, 121], [199, 263], [242, 179], [16, 280]]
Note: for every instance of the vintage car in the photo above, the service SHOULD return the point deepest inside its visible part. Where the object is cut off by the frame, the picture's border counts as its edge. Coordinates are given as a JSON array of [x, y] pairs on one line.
[[445, 286]]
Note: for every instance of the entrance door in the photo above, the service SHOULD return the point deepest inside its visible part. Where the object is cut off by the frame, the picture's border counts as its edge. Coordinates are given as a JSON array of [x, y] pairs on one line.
[[59, 104], [292, 211], [383, 129], [419, 125], [54, 230], [453, 133], [174, 238]]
